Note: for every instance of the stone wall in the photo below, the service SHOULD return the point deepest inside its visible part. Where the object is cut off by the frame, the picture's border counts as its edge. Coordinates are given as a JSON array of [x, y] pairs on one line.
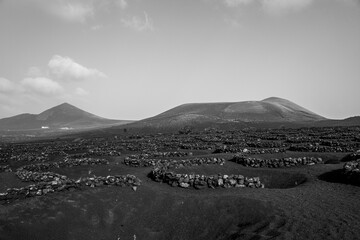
[[30, 176], [103, 152], [67, 162], [275, 162], [160, 154], [30, 157], [352, 167], [319, 148], [5, 168], [172, 162], [233, 149], [58, 183], [162, 174], [49, 182], [355, 155], [351, 171]]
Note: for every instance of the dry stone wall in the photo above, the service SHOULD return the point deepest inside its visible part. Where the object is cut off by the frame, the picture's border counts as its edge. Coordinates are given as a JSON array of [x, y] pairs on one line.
[[103, 152], [160, 154], [172, 163], [233, 149], [67, 162], [355, 155], [30, 157], [351, 171], [29, 176], [49, 182], [319, 148], [352, 167], [163, 174], [275, 162], [5, 168], [60, 183]]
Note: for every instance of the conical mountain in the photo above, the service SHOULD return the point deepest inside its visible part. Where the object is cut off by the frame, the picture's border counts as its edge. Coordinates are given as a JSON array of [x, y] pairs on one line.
[[63, 116], [65, 113]]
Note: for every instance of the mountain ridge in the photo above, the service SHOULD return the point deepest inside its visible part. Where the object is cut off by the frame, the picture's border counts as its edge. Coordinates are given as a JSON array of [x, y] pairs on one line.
[[270, 112], [271, 109]]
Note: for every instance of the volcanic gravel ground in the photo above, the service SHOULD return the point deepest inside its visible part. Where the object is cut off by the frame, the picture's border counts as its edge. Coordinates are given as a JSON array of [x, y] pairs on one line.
[[312, 209]]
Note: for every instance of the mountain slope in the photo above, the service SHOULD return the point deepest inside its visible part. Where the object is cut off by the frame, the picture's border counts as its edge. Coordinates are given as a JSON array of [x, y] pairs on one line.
[[62, 116], [268, 110]]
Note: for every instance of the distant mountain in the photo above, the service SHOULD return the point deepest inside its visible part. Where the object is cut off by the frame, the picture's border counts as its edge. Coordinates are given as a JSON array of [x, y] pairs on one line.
[[270, 110], [62, 117], [347, 122]]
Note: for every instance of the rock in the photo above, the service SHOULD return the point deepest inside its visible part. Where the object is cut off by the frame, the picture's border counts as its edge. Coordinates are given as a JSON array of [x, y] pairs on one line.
[[240, 185], [220, 182], [184, 185], [232, 182]]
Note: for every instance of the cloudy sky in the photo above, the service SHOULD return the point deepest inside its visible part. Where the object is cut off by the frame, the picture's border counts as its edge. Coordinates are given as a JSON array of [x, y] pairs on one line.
[[132, 59]]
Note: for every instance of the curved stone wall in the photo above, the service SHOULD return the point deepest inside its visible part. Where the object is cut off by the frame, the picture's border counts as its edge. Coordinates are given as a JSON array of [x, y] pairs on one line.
[[275, 162]]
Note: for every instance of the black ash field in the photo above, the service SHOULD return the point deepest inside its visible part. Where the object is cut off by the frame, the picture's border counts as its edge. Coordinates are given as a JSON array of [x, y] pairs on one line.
[[212, 184]]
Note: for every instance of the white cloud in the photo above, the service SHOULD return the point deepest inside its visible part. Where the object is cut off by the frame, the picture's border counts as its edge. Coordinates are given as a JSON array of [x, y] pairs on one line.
[[273, 7], [81, 92], [350, 2], [31, 85], [66, 68], [283, 6], [122, 3], [139, 24], [41, 85], [34, 72], [45, 84], [74, 12], [78, 10], [68, 10], [97, 27], [232, 22], [235, 3], [6, 86]]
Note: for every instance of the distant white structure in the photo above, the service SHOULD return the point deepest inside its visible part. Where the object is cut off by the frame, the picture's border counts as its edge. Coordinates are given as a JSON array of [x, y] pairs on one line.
[[65, 128], [44, 127]]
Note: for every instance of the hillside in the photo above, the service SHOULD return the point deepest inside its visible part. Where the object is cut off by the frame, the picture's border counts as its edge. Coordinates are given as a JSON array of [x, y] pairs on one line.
[[63, 116], [270, 110]]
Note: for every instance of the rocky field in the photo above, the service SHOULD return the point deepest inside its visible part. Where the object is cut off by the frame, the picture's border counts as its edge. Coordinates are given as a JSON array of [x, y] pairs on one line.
[[212, 184]]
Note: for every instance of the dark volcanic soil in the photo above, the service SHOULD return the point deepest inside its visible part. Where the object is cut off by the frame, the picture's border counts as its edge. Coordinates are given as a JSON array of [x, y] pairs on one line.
[[311, 209]]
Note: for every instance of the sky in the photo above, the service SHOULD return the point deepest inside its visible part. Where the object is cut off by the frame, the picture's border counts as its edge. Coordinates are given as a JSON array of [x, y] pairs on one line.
[[133, 59]]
